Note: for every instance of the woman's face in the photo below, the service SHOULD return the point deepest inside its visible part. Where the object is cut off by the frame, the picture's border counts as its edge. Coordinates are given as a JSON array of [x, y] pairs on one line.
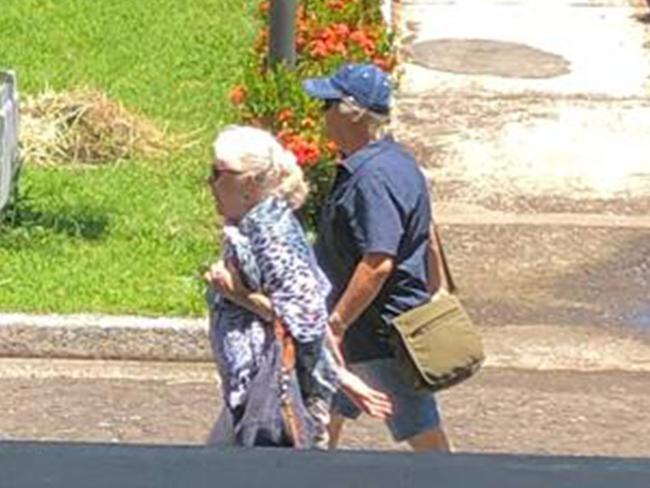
[[231, 191]]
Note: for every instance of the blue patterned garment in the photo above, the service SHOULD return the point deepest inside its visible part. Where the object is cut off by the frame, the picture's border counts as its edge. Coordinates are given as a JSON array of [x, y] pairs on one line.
[[272, 255]]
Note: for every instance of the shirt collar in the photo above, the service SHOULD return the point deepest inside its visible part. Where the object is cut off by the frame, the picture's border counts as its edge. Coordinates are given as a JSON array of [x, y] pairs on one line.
[[359, 158], [270, 209]]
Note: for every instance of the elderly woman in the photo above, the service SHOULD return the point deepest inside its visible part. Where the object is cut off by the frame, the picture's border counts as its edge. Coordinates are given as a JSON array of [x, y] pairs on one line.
[[268, 275]]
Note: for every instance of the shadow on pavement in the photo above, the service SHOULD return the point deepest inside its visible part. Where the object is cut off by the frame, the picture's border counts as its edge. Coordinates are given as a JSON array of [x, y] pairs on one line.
[[618, 285], [50, 465]]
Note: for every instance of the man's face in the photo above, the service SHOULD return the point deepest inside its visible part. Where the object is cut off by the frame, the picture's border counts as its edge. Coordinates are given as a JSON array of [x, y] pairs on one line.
[[335, 122]]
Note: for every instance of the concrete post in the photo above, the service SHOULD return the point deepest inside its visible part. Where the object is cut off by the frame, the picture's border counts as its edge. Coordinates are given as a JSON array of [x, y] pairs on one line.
[[282, 35], [8, 136]]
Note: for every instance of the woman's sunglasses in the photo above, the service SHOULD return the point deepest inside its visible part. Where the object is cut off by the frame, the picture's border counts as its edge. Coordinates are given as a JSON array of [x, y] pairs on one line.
[[216, 173]]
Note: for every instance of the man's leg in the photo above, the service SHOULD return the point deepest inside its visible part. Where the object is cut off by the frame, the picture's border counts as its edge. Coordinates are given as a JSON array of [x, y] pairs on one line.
[[335, 429], [415, 419], [431, 440], [342, 409]]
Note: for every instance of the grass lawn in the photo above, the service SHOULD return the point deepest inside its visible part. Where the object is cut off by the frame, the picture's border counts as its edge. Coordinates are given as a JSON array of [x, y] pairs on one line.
[[129, 237]]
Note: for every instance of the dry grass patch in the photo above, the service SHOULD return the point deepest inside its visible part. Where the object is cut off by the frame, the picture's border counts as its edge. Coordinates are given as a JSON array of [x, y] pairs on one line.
[[85, 126]]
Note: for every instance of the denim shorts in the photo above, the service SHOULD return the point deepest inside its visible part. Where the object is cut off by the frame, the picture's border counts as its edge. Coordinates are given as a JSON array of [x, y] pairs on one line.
[[413, 412]]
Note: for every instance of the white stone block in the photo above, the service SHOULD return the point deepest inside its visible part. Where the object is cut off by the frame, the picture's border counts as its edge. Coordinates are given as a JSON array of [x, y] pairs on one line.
[[9, 122]]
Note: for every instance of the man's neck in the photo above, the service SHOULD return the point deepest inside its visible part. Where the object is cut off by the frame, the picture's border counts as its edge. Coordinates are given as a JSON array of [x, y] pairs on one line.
[[348, 148]]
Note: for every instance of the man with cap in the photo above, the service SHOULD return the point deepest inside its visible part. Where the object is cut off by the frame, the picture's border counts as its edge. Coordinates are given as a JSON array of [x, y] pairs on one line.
[[373, 243]]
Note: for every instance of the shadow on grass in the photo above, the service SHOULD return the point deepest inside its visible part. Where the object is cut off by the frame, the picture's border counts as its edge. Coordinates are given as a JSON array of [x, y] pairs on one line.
[[84, 223]]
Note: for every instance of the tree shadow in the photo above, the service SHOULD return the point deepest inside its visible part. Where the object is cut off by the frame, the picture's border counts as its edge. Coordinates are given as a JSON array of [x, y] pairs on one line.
[[82, 223], [551, 274], [617, 285]]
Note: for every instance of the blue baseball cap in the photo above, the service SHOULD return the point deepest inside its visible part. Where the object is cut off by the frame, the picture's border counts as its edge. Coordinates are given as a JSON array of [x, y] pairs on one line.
[[367, 84]]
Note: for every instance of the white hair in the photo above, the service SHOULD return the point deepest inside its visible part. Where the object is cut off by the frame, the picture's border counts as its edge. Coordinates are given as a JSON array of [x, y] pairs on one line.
[[377, 123], [257, 153]]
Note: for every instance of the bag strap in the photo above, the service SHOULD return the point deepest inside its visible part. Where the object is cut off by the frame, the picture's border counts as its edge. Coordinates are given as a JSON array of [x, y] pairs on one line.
[[435, 236], [443, 258], [288, 347], [291, 420]]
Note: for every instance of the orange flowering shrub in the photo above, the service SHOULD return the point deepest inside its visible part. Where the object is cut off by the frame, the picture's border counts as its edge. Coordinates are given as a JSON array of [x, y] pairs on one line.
[[329, 33], [237, 95]]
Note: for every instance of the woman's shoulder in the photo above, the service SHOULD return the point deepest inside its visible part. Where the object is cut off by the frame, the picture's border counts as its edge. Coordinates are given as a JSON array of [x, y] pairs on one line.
[[273, 216]]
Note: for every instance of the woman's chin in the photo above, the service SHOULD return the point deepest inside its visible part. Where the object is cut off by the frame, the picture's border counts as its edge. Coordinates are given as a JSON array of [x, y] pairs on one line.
[[226, 218]]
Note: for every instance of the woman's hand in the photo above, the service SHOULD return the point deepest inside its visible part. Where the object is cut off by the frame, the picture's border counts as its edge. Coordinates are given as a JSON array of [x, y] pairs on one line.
[[375, 403], [226, 281]]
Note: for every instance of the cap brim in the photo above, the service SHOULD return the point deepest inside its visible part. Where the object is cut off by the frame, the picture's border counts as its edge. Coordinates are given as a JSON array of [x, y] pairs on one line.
[[322, 88]]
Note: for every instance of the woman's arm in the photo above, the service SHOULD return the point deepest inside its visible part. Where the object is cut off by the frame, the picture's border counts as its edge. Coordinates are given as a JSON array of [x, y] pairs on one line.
[[373, 402], [289, 281], [226, 282]]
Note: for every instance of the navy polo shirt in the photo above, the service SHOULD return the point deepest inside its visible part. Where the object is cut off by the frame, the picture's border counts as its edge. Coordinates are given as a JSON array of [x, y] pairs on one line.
[[379, 203]]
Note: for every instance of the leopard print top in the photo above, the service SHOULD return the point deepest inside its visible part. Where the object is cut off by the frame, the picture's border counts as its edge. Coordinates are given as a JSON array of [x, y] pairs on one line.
[[273, 256]]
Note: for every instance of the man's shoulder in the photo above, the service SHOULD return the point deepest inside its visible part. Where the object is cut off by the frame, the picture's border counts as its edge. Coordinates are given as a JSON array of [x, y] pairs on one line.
[[400, 147], [394, 153], [392, 161]]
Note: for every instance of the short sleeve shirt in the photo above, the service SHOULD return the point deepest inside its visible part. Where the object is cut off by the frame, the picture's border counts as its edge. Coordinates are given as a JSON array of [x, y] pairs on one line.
[[379, 203]]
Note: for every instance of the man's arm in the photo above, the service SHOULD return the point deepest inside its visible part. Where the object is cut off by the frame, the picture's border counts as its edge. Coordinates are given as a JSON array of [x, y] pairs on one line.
[[367, 280]]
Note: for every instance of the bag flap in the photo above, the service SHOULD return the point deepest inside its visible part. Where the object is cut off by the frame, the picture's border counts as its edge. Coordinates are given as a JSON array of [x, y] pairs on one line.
[[439, 305]]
